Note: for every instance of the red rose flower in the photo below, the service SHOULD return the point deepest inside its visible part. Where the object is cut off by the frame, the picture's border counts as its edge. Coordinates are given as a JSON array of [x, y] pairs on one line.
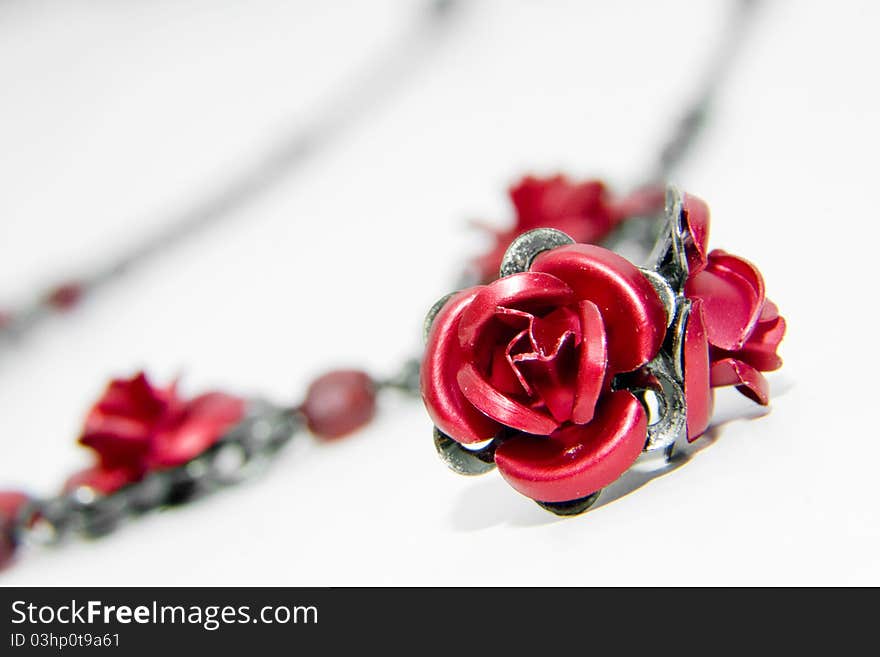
[[585, 211], [582, 210], [743, 328], [733, 330], [136, 428], [532, 356]]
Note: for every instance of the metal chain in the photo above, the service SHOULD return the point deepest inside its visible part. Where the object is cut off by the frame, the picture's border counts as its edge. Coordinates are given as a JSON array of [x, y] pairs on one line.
[[635, 237], [240, 452], [686, 131], [373, 82]]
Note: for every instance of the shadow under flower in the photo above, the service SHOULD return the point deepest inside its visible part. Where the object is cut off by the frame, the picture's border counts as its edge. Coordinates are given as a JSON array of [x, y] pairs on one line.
[[490, 501]]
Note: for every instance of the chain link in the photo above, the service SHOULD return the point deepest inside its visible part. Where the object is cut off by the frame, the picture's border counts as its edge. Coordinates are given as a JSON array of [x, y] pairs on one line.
[[241, 452]]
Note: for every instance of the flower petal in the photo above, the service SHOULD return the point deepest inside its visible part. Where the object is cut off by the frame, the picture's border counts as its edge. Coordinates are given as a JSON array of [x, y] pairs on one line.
[[453, 414], [760, 349], [577, 460], [697, 392], [118, 441], [205, 419], [522, 292], [218, 407], [748, 380], [552, 378], [696, 217], [99, 425], [500, 407], [634, 317], [120, 425], [542, 202], [592, 360], [502, 374], [549, 332], [768, 311], [135, 397], [732, 291]]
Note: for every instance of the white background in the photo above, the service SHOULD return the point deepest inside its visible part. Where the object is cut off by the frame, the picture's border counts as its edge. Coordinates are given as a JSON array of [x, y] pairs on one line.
[[117, 115]]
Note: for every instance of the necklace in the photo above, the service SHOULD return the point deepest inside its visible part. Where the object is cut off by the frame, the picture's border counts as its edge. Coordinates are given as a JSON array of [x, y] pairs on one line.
[[590, 381]]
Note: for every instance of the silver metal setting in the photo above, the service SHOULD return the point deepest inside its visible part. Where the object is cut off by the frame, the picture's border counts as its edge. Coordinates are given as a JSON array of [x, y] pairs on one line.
[[571, 507], [668, 425], [432, 314], [663, 290], [525, 248], [664, 375], [462, 460], [668, 256]]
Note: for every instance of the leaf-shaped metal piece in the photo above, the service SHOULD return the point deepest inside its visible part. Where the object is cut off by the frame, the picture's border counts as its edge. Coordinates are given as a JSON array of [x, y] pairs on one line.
[[571, 507], [463, 460], [668, 257], [523, 250]]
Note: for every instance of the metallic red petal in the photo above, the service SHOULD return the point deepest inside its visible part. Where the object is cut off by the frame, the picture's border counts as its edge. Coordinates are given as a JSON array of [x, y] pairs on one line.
[[769, 311], [760, 349], [135, 397], [543, 202], [122, 428], [592, 360], [118, 441], [206, 418], [453, 414], [581, 209], [547, 361], [502, 374], [748, 380], [577, 460], [552, 378], [696, 217], [525, 291], [697, 392], [549, 332], [499, 407], [634, 317], [732, 291]]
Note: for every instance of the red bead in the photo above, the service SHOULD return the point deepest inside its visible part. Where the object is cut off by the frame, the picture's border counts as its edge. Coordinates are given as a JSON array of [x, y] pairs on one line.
[[11, 503], [339, 403], [65, 296]]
